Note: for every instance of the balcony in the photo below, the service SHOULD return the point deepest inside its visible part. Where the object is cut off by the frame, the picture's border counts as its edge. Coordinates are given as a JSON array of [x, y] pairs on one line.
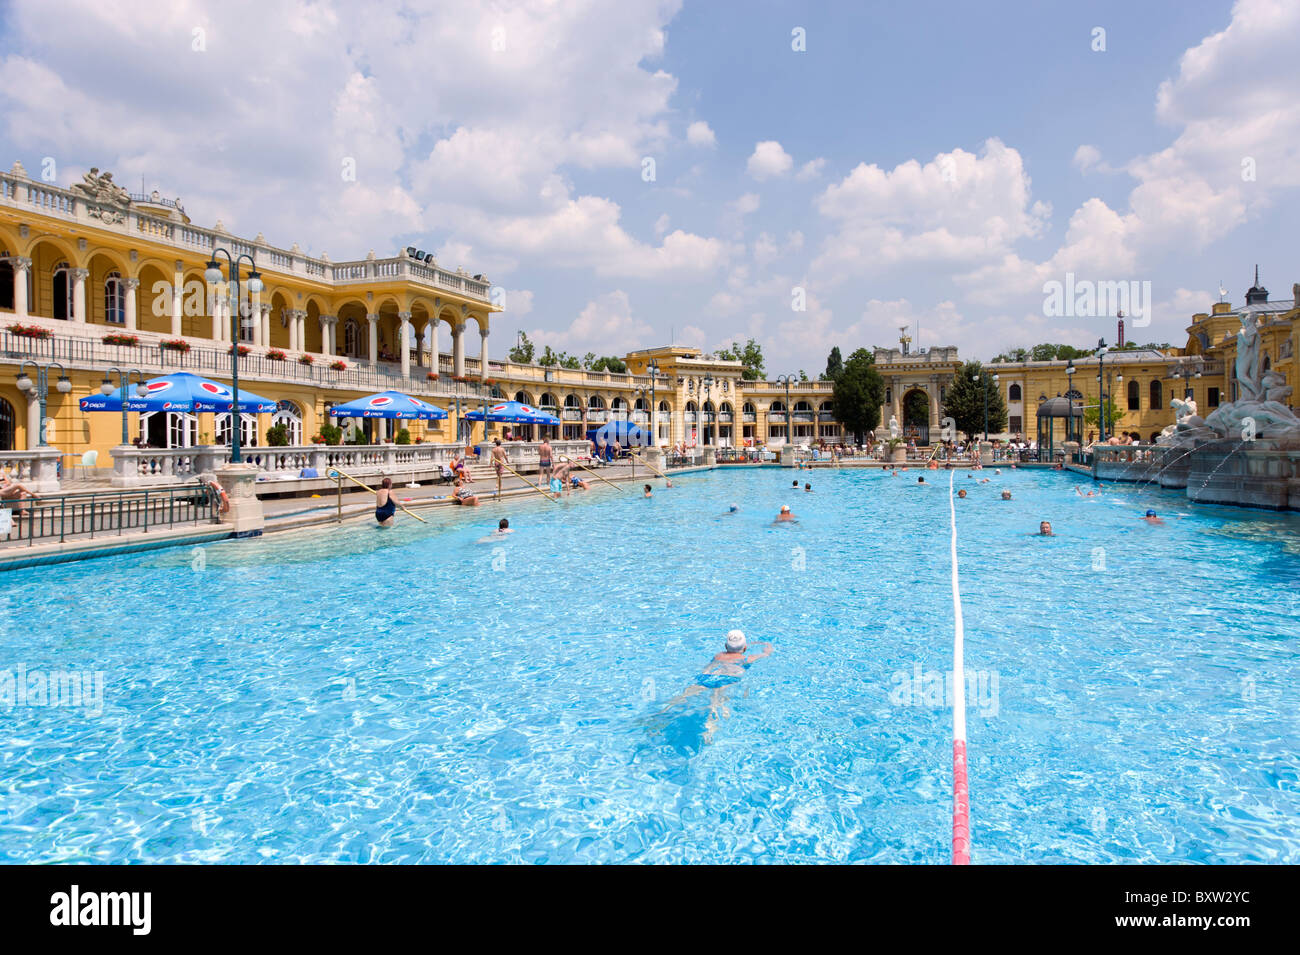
[[572, 414], [749, 417], [29, 195]]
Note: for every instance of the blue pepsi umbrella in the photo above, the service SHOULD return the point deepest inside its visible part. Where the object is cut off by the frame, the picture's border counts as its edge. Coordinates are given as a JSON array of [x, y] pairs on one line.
[[389, 404], [181, 392], [513, 412], [624, 432]]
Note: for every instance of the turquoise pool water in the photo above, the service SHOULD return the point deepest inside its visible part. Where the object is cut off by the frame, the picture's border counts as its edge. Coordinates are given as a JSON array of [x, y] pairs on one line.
[[359, 695]]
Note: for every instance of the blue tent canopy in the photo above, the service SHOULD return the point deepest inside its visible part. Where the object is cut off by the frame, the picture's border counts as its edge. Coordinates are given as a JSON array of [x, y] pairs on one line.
[[389, 404], [625, 433], [179, 392], [513, 412]]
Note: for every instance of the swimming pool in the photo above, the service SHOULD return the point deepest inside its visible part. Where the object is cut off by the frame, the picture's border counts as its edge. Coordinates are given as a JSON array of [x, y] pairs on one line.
[[358, 695]]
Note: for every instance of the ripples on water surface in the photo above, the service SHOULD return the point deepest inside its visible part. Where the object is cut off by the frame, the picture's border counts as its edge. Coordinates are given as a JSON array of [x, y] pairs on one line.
[[411, 695]]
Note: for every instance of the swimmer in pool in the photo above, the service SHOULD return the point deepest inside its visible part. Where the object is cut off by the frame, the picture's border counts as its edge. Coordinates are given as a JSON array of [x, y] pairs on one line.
[[785, 516], [1151, 518], [961, 493], [1045, 529], [385, 506], [503, 530], [1079, 492], [725, 669]]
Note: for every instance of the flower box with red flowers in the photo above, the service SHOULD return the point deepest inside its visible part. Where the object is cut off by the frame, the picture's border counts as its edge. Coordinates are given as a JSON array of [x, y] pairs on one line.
[[276, 355], [174, 344], [243, 350], [338, 366], [29, 331], [118, 339], [305, 359]]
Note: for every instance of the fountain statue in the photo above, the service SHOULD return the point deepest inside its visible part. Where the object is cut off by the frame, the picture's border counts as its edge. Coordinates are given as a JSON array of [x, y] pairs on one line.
[[893, 426]]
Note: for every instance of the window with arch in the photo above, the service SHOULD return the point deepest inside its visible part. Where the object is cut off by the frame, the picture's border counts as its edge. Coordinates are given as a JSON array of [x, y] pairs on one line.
[[61, 307], [1268, 362], [1157, 398], [7, 280], [247, 429], [114, 299], [548, 402], [889, 396], [1014, 393], [572, 401], [7, 423], [1134, 396], [352, 338], [289, 414], [596, 403]]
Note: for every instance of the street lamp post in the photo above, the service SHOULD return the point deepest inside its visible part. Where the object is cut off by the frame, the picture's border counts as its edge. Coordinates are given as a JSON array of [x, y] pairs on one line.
[[1101, 390], [213, 275], [124, 379], [41, 386], [652, 370], [985, 388], [1185, 371]]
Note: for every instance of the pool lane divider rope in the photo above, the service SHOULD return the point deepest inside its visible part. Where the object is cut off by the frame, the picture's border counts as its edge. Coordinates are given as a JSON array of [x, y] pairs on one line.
[[960, 786]]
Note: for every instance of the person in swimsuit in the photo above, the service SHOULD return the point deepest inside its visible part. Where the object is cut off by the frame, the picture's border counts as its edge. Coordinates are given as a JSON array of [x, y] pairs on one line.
[[498, 462], [464, 495], [385, 506], [724, 670], [544, 461], [786, 515]]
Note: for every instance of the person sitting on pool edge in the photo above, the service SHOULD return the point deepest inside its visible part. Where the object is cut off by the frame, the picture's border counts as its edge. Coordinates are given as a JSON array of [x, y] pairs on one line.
[[385, 506], [463, 495]]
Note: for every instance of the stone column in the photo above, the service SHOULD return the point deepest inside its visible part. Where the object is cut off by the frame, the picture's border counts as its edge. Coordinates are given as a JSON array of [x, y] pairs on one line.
[[79, 295], [458, 349], [294, 343], [33, 421], [403, 346], [255, 317], [433, 342], [326, 339], [178, 301], [218, 317], [373, 321], [483, 354], [131, 285], [245, 517], [266, 324], [22, 268]]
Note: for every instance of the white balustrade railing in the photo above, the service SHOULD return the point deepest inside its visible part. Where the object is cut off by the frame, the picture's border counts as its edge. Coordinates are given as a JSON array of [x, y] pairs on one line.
[[36, 469], [137, 467]]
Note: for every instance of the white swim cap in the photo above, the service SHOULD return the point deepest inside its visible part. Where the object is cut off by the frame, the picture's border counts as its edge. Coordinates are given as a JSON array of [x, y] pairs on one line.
[[785, 508], [735, 641]]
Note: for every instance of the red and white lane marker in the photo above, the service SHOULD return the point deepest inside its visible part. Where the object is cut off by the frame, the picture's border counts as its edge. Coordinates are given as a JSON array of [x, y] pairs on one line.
[[960, 787]]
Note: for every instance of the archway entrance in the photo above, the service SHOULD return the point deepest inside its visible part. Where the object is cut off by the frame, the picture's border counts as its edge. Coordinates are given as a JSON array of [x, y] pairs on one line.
[[916, 417]]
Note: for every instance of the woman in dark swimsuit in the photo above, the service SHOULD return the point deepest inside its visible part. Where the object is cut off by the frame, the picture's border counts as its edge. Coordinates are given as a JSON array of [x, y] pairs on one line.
[[385, 506]]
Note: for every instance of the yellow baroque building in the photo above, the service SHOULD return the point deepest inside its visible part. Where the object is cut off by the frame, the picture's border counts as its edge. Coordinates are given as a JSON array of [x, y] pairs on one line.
[[95, 281]]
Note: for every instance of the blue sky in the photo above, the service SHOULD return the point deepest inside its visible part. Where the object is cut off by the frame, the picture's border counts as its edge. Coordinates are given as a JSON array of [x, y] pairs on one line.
[[923, 162]]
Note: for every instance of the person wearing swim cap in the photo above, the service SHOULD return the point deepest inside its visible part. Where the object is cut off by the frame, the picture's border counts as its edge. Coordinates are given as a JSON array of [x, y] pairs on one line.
[[733, 508], [785, 515], [1151, 518], [725, 669]]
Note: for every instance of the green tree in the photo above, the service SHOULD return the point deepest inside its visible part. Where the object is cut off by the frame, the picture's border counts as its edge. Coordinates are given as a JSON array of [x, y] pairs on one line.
[[522, 352], [569, 361], [609, 363], [858, 394], [750, 355], [803, 375], [1114, 415], [549, 358], [834, 365], [965, 401]]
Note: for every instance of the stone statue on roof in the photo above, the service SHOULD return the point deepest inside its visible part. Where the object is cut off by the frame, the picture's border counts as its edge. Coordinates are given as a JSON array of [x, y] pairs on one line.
[[105, 200]]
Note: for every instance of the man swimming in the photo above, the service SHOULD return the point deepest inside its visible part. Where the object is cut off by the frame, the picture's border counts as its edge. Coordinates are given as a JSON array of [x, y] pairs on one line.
[[647, 491], [725, 669], [961, 493], [786, 515], [1151, 518]]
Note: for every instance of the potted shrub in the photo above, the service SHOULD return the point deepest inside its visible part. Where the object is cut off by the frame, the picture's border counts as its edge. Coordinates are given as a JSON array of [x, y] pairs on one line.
[[277, 436], [174, 344], [275, 355], [118, 338], [897, 449], [403, 436], [305, 359], [331, 434], [29, 331]]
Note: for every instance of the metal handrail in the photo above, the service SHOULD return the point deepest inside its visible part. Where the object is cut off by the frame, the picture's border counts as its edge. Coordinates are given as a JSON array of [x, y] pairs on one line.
[[55, 517]]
